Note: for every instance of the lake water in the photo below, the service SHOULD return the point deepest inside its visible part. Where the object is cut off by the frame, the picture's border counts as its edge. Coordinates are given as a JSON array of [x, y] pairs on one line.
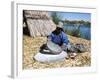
[[84, 31]]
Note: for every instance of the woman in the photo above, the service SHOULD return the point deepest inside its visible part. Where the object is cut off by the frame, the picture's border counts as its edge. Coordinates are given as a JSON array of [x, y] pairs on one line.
[[59, 37]]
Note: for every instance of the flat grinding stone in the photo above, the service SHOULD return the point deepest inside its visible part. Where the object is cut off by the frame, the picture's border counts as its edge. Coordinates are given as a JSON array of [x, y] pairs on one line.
[[54, 48]]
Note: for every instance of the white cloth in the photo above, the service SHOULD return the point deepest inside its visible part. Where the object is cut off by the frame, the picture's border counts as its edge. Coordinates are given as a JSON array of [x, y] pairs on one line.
[[49, 57]]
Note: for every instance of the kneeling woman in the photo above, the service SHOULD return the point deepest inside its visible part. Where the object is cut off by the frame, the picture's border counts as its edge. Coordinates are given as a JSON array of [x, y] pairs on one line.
[[59, 37]]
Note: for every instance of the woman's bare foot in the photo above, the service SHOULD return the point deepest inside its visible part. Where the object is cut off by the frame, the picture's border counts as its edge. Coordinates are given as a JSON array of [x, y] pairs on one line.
[[73, 55]]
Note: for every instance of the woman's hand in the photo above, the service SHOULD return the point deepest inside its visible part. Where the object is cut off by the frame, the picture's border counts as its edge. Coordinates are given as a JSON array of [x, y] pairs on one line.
[[64, 47]]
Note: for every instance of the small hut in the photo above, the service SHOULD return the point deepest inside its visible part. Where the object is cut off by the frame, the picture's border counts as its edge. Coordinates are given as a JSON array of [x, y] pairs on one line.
[[37, 23]]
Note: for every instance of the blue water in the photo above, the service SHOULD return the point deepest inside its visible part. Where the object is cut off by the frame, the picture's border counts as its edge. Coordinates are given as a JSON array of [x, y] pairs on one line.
[[84, 31]]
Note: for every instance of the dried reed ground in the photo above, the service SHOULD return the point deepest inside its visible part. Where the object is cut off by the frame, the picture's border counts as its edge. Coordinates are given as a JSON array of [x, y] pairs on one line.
[[31, 47]]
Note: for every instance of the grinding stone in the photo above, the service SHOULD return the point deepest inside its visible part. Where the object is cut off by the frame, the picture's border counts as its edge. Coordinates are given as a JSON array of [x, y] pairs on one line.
[[54, 48]]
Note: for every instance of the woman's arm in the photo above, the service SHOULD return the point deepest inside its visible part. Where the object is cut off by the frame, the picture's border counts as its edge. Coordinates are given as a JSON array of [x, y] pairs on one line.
[[64, 38]]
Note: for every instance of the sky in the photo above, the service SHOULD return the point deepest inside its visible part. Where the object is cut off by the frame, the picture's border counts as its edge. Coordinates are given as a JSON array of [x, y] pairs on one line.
[[75, 16]]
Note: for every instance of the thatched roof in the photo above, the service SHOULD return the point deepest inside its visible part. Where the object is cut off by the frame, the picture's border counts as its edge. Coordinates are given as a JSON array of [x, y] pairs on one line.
[[39, 23], [36, 14]]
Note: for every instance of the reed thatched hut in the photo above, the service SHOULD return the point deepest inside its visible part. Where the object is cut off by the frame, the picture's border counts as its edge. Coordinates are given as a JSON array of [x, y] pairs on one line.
[[37, 23]]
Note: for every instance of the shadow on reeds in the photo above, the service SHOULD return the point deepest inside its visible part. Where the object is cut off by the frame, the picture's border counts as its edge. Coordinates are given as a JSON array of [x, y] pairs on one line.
[[26, 31]]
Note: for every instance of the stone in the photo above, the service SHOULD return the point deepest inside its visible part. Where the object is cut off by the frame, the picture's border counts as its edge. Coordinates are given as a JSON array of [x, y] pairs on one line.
[[77, 48]]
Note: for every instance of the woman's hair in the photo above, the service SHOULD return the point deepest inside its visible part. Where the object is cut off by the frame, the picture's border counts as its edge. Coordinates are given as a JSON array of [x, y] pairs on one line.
[[57, 31], [58, 28]]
